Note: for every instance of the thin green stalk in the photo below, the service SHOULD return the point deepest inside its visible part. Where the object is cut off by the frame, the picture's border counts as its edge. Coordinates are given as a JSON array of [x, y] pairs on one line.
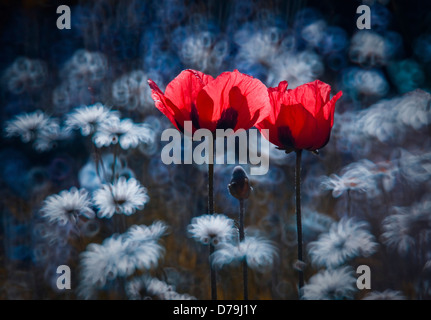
[[298, 216], [241, 238], [213, 275]]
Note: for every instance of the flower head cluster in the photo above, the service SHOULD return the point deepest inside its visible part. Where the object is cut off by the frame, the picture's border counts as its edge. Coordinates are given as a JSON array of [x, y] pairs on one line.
[[122, 197], [409, 228], [332, 284], [25, 75], [120, 256], [37, 127], [212, 229], [124, 132], [346, 239], [88, 118], [259, 253], [67, 206]]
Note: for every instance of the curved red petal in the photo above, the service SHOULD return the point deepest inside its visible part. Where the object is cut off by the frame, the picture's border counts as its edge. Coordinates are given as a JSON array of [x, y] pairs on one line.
[[165, 106], [313, 95], [239, 93], [178, 102], [302, 126]]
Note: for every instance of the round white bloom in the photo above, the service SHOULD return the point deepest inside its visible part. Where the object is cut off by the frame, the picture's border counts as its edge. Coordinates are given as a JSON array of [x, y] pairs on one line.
[[332, 284], [124, 132], [259, 253], [144, 233], [25, 75], [339, 185], [408, 229], [346, 239], [67, 206], [37, 127], [88, 118], [106, 261], [117, 256], [212, 228], [122, 197]]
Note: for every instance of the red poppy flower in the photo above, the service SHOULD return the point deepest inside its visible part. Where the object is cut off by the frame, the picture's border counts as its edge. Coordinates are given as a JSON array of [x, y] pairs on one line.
[[233, 100], [301, 118]]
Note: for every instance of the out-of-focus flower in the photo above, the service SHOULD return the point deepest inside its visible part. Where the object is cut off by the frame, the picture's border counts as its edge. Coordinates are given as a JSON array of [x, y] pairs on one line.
[[201, 51], [117, 256], [124, 132], [301, 118], [388, 294], [231, 101], [122, 197], [145, 233], [106, 261], [346, 239], [88, 118], [37, 127], [131, 90], [412, 109], [409, 229], [146, 287], [25, 75], [368, 48], [257, 46], [296, 68], [67, 206], [333, 284], [363, 176], [258, 252], [212, 228], [84, 67], [359, 83], [415, 168], [339, 185]]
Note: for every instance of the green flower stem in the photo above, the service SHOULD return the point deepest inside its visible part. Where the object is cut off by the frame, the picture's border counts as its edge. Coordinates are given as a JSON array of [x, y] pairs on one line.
[[298, 216], [241, 238], [213, 275]]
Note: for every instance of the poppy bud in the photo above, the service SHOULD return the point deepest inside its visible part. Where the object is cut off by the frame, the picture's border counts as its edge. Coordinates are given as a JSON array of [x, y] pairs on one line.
[[239, 186]]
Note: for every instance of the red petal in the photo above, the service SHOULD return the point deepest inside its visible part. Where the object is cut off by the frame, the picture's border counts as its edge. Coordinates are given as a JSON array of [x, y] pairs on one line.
[[325, 121], [313, 96], [164, 105], [272, 135], [301, 123], [247, 96], [178, 102]]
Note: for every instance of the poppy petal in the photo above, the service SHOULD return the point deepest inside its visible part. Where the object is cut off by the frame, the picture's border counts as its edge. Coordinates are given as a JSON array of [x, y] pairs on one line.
[[233, 90]]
